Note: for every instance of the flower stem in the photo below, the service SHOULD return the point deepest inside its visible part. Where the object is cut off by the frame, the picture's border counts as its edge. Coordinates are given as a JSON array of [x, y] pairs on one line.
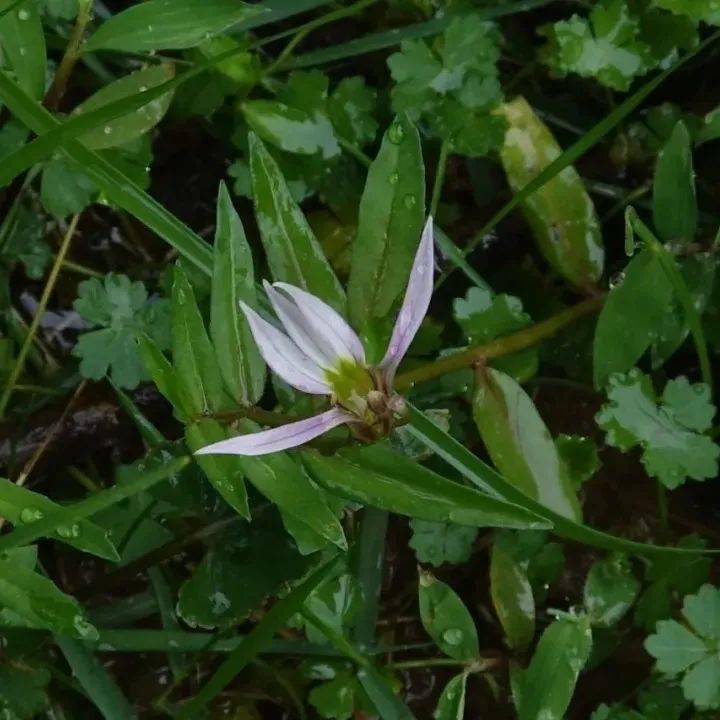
[[439, 177], [39, 312], [502, 346]]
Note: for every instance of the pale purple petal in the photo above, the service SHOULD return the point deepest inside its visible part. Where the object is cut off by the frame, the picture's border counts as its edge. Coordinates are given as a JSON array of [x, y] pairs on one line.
[[279, 438], [327, 325], [415, 303], [298, 328], [285, 357]]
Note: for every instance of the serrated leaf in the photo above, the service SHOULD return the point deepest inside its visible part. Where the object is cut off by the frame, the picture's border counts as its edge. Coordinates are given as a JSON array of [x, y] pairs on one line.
[[65, 189], [437, 542], [672, 451]]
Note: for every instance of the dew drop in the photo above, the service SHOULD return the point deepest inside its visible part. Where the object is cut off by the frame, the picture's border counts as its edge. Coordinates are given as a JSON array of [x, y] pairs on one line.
[[150, 28], [453, 636], [23, 51], [394, 178], [396, 133], [410, 201], [107, 130], [23, 15], [83, 627], [420, 269], [31, 515], [69, 531]]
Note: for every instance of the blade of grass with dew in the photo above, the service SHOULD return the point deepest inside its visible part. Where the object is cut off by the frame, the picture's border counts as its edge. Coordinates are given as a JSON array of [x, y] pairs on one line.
[[258, 638], [117, 186], [70, 514], [487, 479], [581, 146], [390, 38], [95, 680]]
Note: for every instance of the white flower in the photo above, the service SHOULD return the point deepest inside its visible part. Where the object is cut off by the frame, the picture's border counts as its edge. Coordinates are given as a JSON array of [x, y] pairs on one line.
[[319, 353]]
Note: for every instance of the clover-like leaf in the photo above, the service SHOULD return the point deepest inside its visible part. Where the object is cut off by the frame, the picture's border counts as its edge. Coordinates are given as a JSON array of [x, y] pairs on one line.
[[668, 433], [122, 311]]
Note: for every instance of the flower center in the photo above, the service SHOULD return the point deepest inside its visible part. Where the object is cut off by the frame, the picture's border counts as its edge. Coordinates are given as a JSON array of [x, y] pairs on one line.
[[351, 384]]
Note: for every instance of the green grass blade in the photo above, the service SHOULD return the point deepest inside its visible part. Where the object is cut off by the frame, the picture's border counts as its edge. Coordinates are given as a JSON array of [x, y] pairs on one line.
[[70, 514], [390, 38], [486, 478], [581, 146], [95, 680], [117, 186], [258, 639]]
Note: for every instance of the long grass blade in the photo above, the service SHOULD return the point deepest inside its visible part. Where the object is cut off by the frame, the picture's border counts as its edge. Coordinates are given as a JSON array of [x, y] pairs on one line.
[[487, 479]]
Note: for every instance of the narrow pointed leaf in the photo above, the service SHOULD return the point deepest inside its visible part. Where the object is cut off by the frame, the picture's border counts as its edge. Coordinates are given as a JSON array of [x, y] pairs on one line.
[[168, 24], [135, 124], [23, 43], [382, 478], [292, 250], [193, 355], [225, 473], [21, 506], [451, 704], [520, 444], [675, 212], [28, 599], [233, 281], [632, 317], [392, 211], [284, 482]]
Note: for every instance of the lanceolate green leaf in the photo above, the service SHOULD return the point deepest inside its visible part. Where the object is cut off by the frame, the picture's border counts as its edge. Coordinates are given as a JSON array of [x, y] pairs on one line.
[[27, 599], [391, 218], [85, 508], [168, 24], [193, 355], [675, 213], [23, 42], [293, 252], [21, 506], [380, 477], [116, 185], [482, 475], [241, 365], [520, 444], [632, 316], [131, 126], [546, 687]]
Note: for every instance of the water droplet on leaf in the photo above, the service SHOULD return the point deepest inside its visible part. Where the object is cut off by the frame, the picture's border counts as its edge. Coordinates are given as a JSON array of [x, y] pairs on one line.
[[453, 636], [31, 515], [396, 133]]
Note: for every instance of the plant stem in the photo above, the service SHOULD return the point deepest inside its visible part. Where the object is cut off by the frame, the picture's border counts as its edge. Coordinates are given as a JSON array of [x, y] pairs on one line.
[[81, 269], [40, 311], [304, 30], [71, 56], [439, 177], [430, 662], [662, 507], [502, 346]]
